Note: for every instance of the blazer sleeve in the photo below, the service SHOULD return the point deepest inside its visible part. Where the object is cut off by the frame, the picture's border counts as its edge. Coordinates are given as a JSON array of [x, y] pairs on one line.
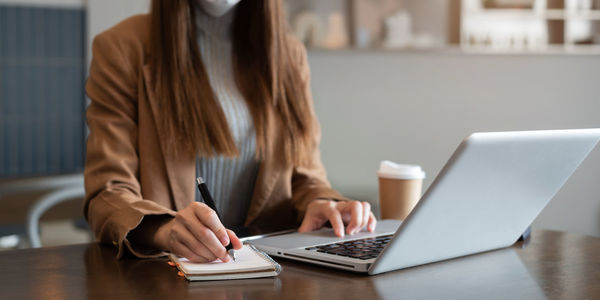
[[113, 201], [310, 182]]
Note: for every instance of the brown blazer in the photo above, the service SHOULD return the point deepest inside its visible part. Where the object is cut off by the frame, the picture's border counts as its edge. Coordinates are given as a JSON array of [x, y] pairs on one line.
[[128, 173]]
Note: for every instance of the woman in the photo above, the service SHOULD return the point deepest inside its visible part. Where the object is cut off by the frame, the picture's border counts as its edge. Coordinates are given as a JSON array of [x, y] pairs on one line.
[[204, 88]]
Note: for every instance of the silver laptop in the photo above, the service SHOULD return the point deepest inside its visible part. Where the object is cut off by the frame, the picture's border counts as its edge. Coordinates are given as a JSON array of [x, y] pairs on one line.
[[488, 193]]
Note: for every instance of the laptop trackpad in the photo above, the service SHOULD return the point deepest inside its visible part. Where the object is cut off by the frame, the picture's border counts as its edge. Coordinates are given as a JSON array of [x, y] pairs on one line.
[[322, 236]]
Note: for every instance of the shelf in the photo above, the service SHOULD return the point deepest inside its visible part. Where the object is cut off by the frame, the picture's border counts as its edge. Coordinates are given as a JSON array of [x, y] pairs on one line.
[[535, 28], [480, 50], [562, 14], [501, 12], [549, 14]]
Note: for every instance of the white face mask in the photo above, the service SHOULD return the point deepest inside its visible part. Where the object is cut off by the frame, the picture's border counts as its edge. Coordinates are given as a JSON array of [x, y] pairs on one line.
[[217, 8]]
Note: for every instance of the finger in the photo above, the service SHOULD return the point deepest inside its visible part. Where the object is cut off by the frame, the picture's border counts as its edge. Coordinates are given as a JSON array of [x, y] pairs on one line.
[[306, 224], [356, 211], [366, 213], [202, 233], [372, 222], [183, 236], [311, 222], [182, 250], [209, 240], [335, 218], [235, 241], [209, 218], [315, 216]]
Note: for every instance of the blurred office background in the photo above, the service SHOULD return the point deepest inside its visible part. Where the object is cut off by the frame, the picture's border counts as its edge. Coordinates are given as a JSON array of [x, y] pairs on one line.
[[403, 80]]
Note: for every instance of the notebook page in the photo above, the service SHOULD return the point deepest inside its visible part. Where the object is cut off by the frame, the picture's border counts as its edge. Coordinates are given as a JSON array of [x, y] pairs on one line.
[[246, 260]]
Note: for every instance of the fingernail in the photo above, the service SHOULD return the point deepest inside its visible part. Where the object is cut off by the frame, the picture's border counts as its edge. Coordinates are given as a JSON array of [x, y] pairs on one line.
[[226, 258], [225, 240]]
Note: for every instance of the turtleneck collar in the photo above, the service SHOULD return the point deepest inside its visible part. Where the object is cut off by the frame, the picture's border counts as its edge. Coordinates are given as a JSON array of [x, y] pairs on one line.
[[218, 27]]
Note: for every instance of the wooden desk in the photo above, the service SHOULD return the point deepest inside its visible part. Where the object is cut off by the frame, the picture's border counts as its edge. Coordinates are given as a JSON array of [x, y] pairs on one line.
[[553, 265]]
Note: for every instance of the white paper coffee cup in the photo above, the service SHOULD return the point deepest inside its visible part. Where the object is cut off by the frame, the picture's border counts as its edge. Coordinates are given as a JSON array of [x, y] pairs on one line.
[[399, 189]]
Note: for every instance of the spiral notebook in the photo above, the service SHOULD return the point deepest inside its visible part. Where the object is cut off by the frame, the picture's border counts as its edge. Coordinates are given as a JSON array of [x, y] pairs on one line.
[[250, 263]]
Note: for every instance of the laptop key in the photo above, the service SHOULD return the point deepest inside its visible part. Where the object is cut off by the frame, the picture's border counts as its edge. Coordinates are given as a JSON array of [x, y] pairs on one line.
[[361, 249], [336, 251]]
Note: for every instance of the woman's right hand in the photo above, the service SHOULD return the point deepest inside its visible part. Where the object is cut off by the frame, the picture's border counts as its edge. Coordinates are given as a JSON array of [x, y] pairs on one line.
[[197, 234]]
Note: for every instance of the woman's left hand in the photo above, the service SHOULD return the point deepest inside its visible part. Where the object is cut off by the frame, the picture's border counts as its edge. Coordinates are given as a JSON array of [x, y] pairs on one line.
[[355, 214]]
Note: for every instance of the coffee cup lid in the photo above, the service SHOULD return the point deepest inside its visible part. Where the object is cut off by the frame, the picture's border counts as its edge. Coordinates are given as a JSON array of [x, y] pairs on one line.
[[389, 169]]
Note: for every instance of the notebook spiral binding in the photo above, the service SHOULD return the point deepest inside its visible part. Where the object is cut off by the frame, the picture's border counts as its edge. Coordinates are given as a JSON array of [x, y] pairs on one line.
[[278, 267]]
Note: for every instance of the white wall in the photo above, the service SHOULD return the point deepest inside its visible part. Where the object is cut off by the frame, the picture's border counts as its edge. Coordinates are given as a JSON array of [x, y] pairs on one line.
[[103, 14], [417, 107]]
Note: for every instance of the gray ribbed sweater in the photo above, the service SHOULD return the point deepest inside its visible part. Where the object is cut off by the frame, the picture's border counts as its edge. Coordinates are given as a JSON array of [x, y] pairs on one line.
[[230, 181]]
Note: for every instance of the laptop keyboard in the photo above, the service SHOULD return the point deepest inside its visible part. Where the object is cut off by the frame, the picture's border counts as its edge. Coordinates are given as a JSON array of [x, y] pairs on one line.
[[366, 248]]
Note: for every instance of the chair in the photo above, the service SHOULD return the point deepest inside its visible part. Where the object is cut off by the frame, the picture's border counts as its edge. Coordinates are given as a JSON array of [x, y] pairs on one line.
[[57, 189], [49, 200]]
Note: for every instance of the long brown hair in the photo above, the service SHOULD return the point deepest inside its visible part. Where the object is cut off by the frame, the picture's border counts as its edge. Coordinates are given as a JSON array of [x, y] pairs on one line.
[[266, 73]]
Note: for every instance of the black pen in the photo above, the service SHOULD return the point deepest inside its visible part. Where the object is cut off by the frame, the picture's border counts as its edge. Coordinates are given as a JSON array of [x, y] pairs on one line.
[[208, 200]]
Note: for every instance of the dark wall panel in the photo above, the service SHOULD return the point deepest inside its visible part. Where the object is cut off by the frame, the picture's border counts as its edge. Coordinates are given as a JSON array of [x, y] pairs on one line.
[[42, 74]]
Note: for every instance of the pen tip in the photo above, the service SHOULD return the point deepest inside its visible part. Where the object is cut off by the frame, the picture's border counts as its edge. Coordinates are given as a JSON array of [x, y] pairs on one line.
[[200, 180]]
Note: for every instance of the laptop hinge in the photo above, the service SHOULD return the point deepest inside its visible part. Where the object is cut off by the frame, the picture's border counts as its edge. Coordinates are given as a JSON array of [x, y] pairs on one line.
[[321, 261]]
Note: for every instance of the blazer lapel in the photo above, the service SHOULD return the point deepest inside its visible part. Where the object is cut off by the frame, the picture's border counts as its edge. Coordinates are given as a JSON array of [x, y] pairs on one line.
[[180, 170], [267, 177], [265, 182]]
